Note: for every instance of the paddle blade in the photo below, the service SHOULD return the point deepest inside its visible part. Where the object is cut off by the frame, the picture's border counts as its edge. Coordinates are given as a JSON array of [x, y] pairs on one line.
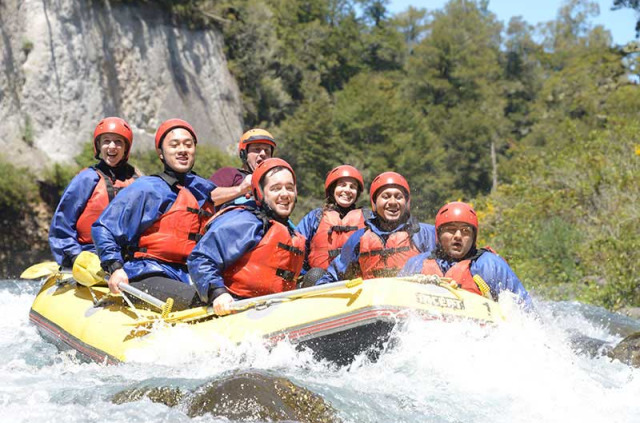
[[87, 270], [40, 270]]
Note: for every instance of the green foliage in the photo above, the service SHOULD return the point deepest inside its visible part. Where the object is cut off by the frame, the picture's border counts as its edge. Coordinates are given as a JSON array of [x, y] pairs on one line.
[[17, 187]]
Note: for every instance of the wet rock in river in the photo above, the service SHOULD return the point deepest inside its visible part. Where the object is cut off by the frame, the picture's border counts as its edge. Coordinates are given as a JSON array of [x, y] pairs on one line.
[[628, 350], [249, 396]]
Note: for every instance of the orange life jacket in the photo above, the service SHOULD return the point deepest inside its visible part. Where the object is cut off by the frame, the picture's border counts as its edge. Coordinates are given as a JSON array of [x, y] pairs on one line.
[[459, 272], [384, 259], [103, 193], [271, 266], [172, 237], [331, 235]]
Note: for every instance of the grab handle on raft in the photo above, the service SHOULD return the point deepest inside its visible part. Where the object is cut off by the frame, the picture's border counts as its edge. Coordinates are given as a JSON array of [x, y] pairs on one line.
[[87, 271]]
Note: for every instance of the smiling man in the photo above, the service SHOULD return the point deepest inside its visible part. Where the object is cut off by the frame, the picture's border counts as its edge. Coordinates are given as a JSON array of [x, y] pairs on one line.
[[389, 238], [91, 190], [457, 257], [234, 185], [145, 235], [250, 250]]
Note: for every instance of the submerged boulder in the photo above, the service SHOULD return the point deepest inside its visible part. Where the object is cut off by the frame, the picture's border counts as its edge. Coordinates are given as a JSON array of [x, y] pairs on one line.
[[249, 396], [628, 350]]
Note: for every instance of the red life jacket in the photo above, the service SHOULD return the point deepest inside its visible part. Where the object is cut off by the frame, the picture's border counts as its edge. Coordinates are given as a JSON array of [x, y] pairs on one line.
[[331, 235], [380, 259], [459, 272], [103, 193], [271, 266], [172, 237]]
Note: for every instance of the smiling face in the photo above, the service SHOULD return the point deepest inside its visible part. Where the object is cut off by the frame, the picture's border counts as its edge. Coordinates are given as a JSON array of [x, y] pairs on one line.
[[456, 239], [346, 192], [178, 150], [257, 153], [391, 204], [280, 192], [112, 148]]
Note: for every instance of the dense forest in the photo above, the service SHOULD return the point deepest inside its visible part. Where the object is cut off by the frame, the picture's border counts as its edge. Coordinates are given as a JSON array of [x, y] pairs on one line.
[[538, 127]]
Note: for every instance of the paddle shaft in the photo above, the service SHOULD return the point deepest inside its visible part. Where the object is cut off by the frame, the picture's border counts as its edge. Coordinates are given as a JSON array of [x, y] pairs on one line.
[[141, 295]]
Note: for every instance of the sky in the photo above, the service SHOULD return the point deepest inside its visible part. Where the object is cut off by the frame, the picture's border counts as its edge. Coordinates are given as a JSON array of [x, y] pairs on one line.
[[621, 23]]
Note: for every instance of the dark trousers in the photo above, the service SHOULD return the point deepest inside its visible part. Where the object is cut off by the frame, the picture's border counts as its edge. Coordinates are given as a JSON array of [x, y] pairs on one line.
[[184, 296]]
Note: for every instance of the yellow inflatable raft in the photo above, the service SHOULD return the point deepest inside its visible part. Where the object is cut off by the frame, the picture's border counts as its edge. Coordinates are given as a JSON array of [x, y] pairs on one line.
[[337, 321]]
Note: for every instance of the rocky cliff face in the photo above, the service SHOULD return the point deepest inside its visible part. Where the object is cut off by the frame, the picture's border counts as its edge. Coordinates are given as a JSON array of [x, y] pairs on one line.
[[67, 63]]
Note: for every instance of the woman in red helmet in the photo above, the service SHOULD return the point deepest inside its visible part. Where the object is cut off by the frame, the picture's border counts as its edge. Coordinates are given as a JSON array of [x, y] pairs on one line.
[[328, 228], [251, 249], [91, 190], [389, 238], [457, 257], [234, 185], [145, 235]]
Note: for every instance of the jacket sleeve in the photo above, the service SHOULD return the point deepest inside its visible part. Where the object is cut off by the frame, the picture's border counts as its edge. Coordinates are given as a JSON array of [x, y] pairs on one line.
[[228, 238], [307, 228], [345, 265], [63, 235], [130, 213], [425, 238], [499, 276], [414, 265]]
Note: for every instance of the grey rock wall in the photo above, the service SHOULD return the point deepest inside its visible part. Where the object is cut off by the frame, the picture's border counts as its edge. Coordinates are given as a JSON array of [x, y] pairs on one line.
[[65, 64]]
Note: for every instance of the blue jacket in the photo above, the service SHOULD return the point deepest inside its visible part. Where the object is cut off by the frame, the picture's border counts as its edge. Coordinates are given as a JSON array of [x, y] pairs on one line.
[[131, 213], [491, 267], [227, 239], [346, 263], [63, 235]]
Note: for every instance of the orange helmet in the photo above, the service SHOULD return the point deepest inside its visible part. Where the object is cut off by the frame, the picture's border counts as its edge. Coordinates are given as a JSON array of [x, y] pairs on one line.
[[113, 125], [457, 212], [171, 124], [344, 171], [385, 179], [261, 170], [252, 136]]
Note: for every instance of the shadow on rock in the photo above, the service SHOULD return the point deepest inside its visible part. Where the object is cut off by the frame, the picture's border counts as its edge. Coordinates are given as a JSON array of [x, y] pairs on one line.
[[241, 397]]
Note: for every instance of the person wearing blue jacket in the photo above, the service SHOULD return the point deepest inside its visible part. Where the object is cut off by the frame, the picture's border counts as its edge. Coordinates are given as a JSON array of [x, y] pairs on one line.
[[91, 190], [390, 238], [251, 249], [145, 235], [457, 257]]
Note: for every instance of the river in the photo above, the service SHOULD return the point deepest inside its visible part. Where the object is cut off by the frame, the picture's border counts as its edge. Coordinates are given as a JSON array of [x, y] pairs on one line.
[[524, 370]]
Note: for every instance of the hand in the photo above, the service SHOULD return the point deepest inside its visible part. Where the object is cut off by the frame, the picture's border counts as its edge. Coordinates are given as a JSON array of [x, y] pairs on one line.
[[116, 278], [222, 304], [245, 185]]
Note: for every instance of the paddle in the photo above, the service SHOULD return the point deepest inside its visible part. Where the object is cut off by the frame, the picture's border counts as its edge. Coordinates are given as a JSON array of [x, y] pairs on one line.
[[88, 272], [265, 300], [40, 270]]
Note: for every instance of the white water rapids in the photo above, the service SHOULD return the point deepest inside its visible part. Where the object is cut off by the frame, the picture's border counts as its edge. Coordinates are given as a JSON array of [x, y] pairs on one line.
[[525, 370]]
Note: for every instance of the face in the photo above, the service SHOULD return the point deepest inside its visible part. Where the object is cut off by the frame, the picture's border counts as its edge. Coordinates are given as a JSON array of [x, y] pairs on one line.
[[112, 148], [280, 192], [391, 204], [178, 150], [346, 192], [456, 239], [257, 153]]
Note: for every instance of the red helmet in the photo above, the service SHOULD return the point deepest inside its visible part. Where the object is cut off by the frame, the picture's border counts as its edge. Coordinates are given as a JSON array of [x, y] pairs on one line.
[[171, 124], [344, 171], [457, 212], [261, 170], [388, 178], [113, 125], [253, 136]]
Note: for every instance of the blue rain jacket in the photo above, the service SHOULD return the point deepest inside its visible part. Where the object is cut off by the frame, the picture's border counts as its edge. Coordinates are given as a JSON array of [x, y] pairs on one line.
[[132, 212], [424, 240], [228, 238], [491, 267]]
